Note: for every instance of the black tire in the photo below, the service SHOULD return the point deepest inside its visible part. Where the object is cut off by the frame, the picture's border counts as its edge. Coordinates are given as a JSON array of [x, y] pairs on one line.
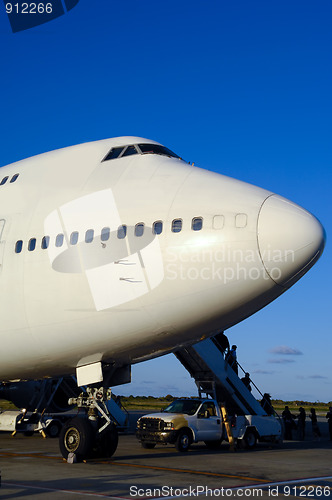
[[184, 440], [213, 445], [76, 436], [250, 440], [107, 442], [148, 446], [53, 429]]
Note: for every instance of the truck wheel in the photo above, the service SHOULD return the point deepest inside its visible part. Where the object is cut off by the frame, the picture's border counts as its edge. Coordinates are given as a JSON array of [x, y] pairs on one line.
[[183, 441], [250, 440], [76, 436], [213, 445], [148, 446]]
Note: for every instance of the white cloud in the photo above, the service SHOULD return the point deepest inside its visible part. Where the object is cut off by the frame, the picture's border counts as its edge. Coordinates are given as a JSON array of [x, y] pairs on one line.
[[264, 372], [285, 350], [281, 361]]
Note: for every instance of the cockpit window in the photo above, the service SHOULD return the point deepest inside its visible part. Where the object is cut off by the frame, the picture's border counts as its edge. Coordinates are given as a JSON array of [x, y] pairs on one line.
[[130, 150], [114, 153], [156, 149], [143, 149]]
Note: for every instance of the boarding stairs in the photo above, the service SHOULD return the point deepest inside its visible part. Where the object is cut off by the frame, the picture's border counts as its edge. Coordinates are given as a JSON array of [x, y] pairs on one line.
[[216, 378], [119, 414]]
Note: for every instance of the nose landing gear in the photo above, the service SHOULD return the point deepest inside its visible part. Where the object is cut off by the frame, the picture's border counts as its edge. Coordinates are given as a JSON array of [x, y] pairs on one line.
[[94, 434]]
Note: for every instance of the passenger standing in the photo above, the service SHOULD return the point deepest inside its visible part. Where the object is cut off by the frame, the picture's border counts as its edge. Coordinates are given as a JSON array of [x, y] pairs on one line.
[[223, 342], [231, 358], [301, 423], [246, 381], [266, 404], [329, 417], [315, 429], [288, 423]]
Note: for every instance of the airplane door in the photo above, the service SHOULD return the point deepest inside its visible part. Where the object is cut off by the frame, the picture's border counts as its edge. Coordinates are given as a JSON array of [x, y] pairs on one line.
[[2, 242]]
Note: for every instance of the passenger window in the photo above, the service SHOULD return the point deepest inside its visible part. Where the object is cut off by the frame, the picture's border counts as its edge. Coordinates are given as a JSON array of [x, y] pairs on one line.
[[59, 240], [13, 179], [105, 234], [197, 223], [157, 227], [131, 150], [4, 180], [45, 242], [32, 244], [122, 232], [139, 229], [18, 246], [73, 238], [241, 220], [218, 222], [176, 225], [89, 236], [113, 154]]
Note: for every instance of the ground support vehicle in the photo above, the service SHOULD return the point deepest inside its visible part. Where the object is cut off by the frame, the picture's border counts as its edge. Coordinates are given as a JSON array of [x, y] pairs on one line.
[[21, 421], [186, 421]]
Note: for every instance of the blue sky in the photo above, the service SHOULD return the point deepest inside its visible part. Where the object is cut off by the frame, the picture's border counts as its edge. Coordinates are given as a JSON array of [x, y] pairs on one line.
[[242, 88]]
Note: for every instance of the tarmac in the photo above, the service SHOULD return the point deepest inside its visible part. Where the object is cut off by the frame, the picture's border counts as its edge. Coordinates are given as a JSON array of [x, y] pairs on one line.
[[32, 468]]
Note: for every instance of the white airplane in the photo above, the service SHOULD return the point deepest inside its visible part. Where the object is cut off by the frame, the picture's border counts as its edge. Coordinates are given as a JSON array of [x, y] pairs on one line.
[[118, 251]]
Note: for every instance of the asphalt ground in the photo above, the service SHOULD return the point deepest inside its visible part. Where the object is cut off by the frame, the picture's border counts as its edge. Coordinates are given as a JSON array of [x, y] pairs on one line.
[[32, 468]]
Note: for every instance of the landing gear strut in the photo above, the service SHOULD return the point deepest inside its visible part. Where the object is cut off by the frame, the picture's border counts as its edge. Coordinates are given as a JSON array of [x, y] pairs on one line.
[[94, 434]]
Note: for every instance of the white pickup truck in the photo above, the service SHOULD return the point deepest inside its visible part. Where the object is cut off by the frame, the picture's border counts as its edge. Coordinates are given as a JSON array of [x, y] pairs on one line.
[[186, 421]]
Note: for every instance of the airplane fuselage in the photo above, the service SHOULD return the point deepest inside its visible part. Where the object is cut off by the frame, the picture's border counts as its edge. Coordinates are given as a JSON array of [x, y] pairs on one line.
[[125, 258]]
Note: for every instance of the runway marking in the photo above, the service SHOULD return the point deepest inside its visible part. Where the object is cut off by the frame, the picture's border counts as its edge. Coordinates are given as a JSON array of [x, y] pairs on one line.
[[71, 492], [187, 471], [142, 466], [263, 483], [138, 466], [7, 454]]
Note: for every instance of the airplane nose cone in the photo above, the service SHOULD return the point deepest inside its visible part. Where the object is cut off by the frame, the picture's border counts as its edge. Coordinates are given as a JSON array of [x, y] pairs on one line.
[[290, 240]]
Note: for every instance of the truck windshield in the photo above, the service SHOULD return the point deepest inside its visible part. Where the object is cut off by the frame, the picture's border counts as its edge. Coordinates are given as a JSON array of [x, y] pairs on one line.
[[189, 407]]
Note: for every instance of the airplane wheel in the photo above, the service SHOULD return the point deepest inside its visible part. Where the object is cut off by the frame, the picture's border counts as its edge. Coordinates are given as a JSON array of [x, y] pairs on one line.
[[76, 436], [107, 442], [148, 446], [183, 440]]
